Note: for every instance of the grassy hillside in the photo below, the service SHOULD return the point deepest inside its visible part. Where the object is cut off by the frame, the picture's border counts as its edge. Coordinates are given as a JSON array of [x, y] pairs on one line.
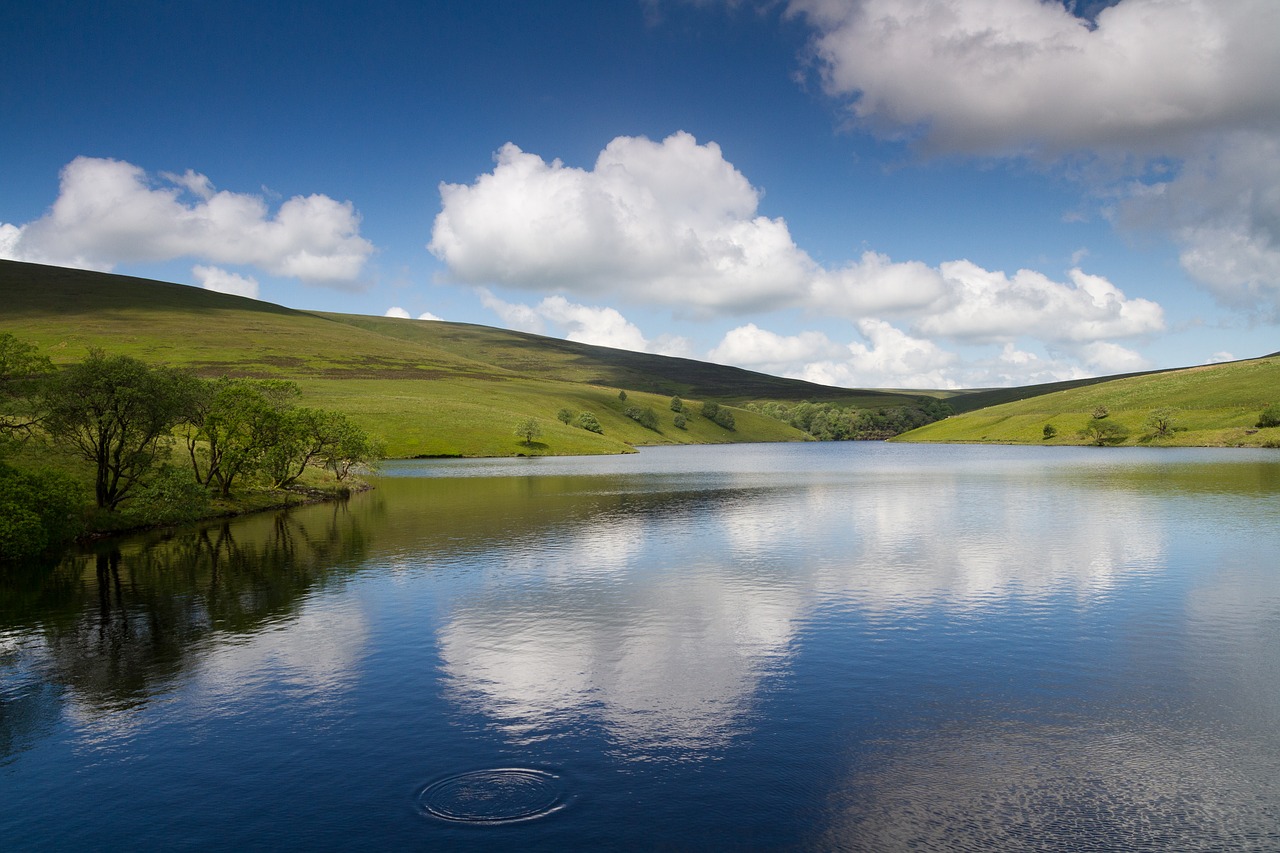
[[1218, 405], [427, 388]]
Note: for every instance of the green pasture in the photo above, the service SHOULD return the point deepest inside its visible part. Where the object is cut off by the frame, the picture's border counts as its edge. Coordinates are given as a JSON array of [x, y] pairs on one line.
[[1217, 405]]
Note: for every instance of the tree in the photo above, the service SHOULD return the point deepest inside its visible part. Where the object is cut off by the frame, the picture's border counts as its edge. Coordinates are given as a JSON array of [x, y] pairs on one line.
[[22, 368], [565, 416], [1102, 432], [1162, 422], [622, 395], [1050, 431], [116, 412], [681, 421], [353, 447], [646, 417], [588, 421], [677, 405], [1270, 416], [528, 430], [713, 412], [233, 425]]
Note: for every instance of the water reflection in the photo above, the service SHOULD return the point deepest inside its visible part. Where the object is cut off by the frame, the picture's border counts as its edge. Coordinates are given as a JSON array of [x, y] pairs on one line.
[[865, 647], [103, 634]]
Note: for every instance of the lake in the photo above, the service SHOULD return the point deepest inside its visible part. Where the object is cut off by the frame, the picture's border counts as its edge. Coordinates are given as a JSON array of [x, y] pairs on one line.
[[855, 646]]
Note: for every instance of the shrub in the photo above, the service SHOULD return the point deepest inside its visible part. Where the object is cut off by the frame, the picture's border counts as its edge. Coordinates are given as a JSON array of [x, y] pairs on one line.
[[681, 421], [646, 417], [1270, 416], [39, 511], [1100, 412], [677, 405], [1103, 433], [1162, 422], [588, 421], [1050, 431], [170, 496]]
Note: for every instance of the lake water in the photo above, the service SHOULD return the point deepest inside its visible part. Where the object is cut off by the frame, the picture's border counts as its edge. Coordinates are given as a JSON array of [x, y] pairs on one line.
[[854, 646]]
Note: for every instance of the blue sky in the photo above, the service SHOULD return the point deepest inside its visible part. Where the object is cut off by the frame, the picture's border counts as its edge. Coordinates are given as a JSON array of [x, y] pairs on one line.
[[894, 193]]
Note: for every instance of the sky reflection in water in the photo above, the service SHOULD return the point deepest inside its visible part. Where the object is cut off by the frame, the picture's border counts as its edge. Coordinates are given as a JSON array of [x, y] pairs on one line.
[[858, 646]]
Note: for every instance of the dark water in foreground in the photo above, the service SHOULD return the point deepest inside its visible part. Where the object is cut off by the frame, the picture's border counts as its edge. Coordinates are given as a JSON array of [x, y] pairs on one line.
[[825, 646]]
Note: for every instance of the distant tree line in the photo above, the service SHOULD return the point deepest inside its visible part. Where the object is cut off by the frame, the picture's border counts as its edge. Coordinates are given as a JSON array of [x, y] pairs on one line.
[[125, 418], [831, 422]]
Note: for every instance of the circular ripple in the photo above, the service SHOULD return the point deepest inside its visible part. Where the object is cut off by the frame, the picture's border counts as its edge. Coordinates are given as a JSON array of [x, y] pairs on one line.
[[500, 795]]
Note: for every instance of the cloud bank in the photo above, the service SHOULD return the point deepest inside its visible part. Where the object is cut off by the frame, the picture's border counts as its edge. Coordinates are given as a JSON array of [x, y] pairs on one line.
[[1188, 83], [109, 212], [673, 223], [1014, 76]]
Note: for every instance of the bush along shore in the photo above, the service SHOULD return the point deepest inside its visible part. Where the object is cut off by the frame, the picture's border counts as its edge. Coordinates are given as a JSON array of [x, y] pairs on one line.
[[111, 444]]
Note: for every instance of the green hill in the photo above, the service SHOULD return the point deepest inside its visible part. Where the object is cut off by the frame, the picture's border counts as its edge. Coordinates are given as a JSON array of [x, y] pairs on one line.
[[428, 388], [1216, 405]]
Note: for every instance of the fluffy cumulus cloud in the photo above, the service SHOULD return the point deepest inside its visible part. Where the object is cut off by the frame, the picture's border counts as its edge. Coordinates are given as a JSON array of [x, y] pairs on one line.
[[110, 212], [1016, 75], [214, 278], [887, 357], [668, 221], [399, 313], [586, 324], [675, 223]]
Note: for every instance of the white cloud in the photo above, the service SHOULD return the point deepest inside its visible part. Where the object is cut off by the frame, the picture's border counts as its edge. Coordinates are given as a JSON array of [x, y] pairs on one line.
[[604, 327], [674, 222], [889, 358], [669, 221], [1219, 358], [401, 314], [222, 281], [1012, 76], [109, 212], [989, 306]]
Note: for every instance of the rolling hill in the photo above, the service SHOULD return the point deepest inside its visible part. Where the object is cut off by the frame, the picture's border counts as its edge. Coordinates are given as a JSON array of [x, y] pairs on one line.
[[1215, 405], [445, 389]]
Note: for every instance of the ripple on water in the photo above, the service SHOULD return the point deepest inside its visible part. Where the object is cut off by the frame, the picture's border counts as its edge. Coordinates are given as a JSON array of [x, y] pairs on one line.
[[492, 796]]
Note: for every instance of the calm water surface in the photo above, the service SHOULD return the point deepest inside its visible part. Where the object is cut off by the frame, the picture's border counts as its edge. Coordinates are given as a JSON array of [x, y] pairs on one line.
[[821, 646]]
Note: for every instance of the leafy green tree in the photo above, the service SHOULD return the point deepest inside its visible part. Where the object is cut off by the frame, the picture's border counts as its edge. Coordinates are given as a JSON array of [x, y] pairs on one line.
[[1162, 422], [677, 405], [1050, 431], [713, 411], [565, 416], [681, 421], [22, 368], [622, 395], [590, 423], [234, 425], [115, 412], [646, 417], [1270, 416], [528, 429], [1102, 432], [352, 447]]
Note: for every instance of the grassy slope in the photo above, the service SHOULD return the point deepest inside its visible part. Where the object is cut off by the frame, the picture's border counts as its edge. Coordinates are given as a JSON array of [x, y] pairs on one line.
[[1219, 405], [413, 383]]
